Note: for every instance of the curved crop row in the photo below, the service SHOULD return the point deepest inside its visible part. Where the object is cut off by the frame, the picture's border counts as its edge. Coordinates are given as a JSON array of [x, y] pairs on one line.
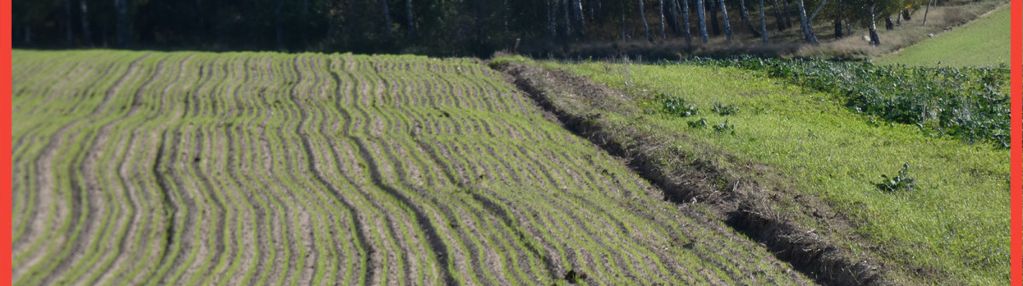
[[242, 168]]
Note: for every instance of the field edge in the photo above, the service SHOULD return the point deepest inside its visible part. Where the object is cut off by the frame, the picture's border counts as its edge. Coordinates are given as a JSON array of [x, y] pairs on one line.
[[735, 196]]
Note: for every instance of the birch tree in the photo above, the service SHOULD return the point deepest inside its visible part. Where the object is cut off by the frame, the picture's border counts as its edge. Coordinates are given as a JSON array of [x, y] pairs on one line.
[[642, 16], [744, 17], [724, 19], [664, 26], [686, 24], [702, 20], [804, 24], [763, 23]]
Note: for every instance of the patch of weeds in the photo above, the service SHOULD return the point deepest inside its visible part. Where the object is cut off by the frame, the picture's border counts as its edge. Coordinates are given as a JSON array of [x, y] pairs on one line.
[[725, 109], [725, 127], [963, 102], [677, 106], [901, 182], [698, 124]]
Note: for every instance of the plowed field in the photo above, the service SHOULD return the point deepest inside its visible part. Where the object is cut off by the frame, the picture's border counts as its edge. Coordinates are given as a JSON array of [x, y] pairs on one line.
[[256, 168]]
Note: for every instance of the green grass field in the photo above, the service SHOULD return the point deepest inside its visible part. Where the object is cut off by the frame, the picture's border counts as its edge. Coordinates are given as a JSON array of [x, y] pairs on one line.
[[983, 42], [261, 168], [949, 230]]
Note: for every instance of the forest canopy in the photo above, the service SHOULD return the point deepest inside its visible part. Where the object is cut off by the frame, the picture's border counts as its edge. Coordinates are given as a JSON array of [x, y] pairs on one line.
[[438, 27]]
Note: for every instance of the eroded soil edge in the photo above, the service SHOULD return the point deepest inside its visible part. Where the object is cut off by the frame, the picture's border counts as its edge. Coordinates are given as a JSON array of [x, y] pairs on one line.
[[751, 198]]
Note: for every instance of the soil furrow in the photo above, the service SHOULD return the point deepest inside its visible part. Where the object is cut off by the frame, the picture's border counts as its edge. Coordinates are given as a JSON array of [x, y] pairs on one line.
[[263, 168], [437, 244]]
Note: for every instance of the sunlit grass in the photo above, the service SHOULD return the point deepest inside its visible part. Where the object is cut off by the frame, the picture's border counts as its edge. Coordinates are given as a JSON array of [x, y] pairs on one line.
[[984, 42], [953, 223]]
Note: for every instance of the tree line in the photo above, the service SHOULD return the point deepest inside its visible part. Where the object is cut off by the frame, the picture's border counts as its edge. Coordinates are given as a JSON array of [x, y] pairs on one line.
[[442, 27]]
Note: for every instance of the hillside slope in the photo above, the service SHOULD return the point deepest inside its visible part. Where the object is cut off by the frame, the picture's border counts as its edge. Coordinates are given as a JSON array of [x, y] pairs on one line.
[[244, 168], [983, 42]]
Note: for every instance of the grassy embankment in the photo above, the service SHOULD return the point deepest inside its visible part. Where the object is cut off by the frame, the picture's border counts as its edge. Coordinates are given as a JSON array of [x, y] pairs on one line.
[[983, 42], [948, 229]]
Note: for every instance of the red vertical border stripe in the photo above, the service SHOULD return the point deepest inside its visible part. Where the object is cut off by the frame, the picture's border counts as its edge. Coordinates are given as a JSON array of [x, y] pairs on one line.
[[1016, 178], [5, 142]]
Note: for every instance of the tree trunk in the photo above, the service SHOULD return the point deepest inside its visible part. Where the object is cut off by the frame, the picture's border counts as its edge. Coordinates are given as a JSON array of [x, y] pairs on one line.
[[83, 6], [642, 16], [804, 23], [69, 27], [928, 9], [593, 10], [123, 28], [875, 40], [724, 19], [410, 20], [838, 27], [552, 22], [744, 17], [567, 15], [763, 22], [504, 20], [580, 16], [779, 16], [701, 18], [686, 27], [820, 6], [715, 28], [625, 30], [673, 15], [664, 26], [888, 24]]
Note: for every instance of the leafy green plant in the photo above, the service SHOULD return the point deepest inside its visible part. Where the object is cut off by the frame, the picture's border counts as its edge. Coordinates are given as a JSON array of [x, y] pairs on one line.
[[677, 106], [901, 182], [724, 127], [967, 103], [698, 124], [725, 109]]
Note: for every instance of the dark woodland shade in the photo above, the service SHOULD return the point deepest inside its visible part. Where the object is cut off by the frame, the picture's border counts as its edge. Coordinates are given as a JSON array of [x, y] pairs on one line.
[[439, 27]]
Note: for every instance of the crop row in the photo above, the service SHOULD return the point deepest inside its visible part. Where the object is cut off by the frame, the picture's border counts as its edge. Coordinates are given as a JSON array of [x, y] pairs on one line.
[[197, 168]]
